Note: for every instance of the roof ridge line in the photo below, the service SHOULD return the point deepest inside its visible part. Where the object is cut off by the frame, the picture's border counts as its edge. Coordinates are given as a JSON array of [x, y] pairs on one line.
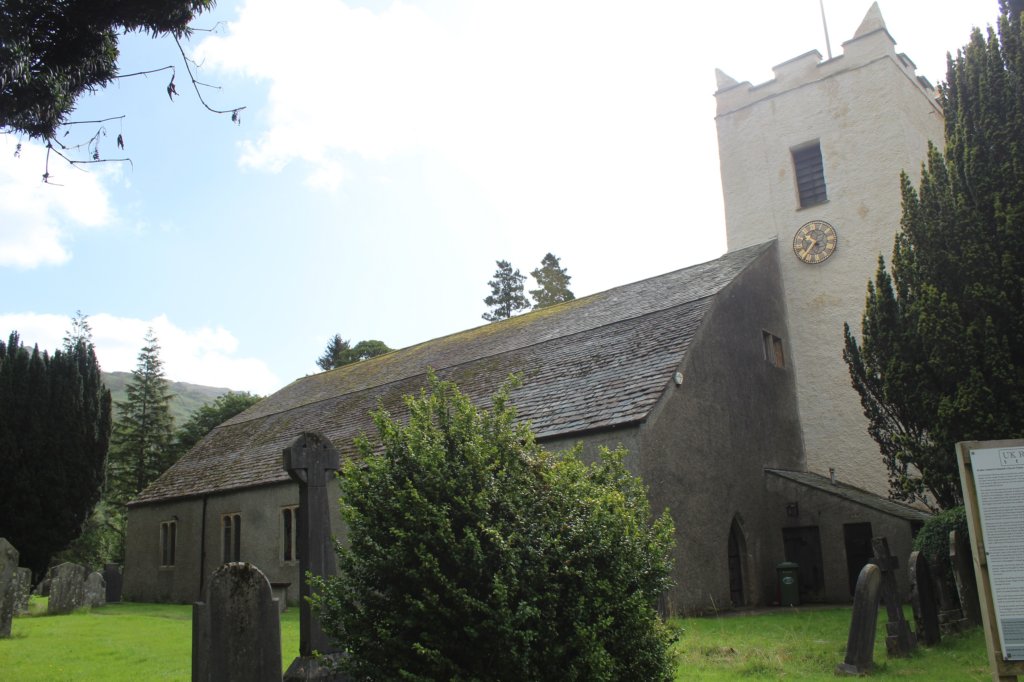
[[481, 357]]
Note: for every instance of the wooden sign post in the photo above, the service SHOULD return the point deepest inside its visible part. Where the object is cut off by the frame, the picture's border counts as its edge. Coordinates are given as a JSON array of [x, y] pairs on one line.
[[992, 476]]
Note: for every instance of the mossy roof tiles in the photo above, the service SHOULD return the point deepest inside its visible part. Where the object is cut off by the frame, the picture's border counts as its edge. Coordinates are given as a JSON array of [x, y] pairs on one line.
[[597, 362]]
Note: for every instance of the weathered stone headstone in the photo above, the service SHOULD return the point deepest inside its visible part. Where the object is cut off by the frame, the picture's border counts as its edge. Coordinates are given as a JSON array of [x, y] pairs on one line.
[[236, 632], [67, 588], [899, 641], [8, 566], [963, 575], [114, 581], [95, 590], [922, 599], [22, 587], [860, 644]]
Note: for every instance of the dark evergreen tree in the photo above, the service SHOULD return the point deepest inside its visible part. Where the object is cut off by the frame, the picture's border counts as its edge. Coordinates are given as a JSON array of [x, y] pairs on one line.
[[941, 354], [210, 416], [553, 281], [141, 443], [506, 297], [339, 352], [51, 52], [54, 433], [473, 554]]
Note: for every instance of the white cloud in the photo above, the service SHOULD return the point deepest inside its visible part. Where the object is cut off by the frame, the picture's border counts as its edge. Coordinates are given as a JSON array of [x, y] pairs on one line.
[[37, 220], [204, 356]]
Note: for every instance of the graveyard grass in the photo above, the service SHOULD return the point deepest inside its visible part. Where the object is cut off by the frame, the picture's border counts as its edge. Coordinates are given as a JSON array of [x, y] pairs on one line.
[[153, 642]]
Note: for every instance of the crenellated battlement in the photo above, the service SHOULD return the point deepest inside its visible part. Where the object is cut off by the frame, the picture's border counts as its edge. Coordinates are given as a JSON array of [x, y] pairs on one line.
[[870, 43]]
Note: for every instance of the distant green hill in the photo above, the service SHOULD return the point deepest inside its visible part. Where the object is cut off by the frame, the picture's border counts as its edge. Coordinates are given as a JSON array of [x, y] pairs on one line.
[[186, 397]]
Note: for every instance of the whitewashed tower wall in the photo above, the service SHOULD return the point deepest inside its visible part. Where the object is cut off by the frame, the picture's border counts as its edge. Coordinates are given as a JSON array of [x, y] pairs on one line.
[[872, 117]]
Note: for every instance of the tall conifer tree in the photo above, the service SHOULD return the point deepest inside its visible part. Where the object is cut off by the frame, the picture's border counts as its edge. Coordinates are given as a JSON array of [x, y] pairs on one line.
[[553, 282], [506, 297], [141, 444], [941, 354]]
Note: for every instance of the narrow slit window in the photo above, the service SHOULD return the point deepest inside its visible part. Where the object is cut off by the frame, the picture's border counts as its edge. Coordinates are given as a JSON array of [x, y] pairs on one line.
[[168, 540], [289, 533], [231, 526], [773, 353], [810, 175]]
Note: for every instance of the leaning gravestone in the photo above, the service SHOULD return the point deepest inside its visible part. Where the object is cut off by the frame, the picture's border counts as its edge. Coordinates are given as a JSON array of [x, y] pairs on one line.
[[236, 633], [22, 587], [922, 599], [67, 588], [114, 581], [8, 567], [900, 641], [860, 645], [963, 575], [95, 590], [308, 461]]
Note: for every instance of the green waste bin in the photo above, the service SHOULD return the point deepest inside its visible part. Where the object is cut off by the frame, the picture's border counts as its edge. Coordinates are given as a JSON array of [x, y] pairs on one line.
[[789, 583]]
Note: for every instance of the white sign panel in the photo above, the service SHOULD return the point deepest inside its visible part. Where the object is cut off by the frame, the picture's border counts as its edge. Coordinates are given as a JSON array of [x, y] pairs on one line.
[[999, 485]]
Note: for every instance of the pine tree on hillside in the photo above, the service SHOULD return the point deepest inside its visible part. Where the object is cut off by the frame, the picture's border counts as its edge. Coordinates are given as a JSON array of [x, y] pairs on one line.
[[141, 444], [941, 354], [54, 433], [553, 281], [339, 353], [337, 349], [506, 297]]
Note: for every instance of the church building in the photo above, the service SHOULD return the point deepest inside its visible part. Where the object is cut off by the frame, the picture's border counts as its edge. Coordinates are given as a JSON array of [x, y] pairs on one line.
[[724, 380]]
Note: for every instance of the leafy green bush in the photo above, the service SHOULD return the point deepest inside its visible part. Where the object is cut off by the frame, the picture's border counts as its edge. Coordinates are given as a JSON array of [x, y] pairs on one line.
[[475, 555], [933, 539]]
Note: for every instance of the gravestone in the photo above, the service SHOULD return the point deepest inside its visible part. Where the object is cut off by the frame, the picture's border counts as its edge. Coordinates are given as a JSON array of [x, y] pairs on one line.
[[963, 575], [310, 461], [95, 590], [22, 587], [8, 567], [114, 581], [899, 640], [922, 599], [67, 588], [236, 632], [860, 644]]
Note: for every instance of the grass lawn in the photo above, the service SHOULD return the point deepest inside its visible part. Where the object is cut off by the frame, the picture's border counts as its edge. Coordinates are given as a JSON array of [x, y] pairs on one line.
[[154, 641], [806, 644]]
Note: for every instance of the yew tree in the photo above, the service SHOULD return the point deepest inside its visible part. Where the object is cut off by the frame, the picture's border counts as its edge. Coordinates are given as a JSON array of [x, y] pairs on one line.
[[54, 432], [941, 353], [473, 554]]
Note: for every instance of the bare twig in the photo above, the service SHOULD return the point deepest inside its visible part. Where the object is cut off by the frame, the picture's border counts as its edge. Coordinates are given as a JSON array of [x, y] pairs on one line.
[[102, 120], [196, 84], [143, 73]]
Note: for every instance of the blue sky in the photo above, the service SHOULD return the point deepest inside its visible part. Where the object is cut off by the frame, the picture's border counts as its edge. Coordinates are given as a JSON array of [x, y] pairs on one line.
[[388, 154]]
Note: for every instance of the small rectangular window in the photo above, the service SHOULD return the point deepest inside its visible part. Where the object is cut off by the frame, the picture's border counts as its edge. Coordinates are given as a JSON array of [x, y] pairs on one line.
[[810, 175], [773, 349], [289, 534], [231, 527], [168, 540]]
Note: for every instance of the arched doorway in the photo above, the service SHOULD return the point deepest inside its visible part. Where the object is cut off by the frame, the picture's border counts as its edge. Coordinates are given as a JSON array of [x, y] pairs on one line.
[[737, 555]]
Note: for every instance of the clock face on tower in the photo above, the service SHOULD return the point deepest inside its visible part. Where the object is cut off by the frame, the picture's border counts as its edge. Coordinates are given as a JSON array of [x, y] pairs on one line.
[[815, 241]]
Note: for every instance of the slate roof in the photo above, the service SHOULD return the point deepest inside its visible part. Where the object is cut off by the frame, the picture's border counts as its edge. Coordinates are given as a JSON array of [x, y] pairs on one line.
[[593, 363], [848, 492]]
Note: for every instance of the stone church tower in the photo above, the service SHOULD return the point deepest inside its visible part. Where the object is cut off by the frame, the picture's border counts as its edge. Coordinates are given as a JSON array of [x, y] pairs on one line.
[[812, 158]]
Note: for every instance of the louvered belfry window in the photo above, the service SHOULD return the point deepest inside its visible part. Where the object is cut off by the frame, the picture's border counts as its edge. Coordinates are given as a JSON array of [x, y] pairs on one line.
[[810, 175]]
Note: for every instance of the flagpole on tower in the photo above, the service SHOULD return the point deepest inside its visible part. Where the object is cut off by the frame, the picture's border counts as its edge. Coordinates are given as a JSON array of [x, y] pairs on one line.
[[828, 44]]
